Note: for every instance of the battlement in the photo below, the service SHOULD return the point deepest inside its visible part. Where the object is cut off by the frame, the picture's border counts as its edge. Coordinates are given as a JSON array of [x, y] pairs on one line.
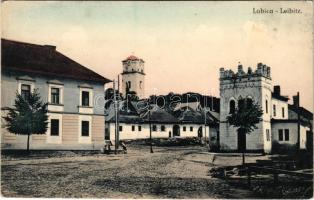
[[261, 71]]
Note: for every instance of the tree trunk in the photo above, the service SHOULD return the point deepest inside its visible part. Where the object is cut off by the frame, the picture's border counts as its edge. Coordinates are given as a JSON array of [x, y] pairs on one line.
[[28, 142]]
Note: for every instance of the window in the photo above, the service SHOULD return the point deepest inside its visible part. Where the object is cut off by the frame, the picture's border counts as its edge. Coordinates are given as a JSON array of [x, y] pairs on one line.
[[266, 105], [249, 102], [55, 95], [85, 128], [107, 134], [267, 135], [231, 106], [141, 83], [163, 128], [274, 110], [241, 104], [184, 128], [280, 135], [133, 128], [54, 129], [25, 91], [283, 112], [120, 128], [286, 134], [139, 128], [191, 128], [154, 128], [85, 98]]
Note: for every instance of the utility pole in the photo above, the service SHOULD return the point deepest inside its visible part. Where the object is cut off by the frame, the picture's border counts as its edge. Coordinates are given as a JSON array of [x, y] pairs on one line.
[[118, 108], [298, 112], [150, 132], [205, 123], [116, 117]]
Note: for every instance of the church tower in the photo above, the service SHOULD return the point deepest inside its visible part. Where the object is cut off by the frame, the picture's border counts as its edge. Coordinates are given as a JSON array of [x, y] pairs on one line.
[[244, 87], [133, 76]]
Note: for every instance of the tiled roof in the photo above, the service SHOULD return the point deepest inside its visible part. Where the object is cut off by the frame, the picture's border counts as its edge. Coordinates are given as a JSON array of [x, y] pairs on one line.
[[279, 97], [44, 60], [158, 115], [303, 112], [127, 113]]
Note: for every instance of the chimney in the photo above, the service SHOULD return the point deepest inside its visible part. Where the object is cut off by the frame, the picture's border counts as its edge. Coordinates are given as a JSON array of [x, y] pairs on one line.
[[295, 100], [277, 90]]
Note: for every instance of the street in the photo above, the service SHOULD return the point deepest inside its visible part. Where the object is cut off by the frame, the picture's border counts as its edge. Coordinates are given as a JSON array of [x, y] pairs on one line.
[[172, 172]]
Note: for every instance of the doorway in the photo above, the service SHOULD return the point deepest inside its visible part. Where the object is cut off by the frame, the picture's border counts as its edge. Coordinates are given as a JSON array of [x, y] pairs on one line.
[[176, 130], [241, 140]]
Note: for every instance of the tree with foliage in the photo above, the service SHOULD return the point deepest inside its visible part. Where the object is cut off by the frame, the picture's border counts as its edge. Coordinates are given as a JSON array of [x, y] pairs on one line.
[[28, 116], [245, 118], [109, 94], [131, 96]]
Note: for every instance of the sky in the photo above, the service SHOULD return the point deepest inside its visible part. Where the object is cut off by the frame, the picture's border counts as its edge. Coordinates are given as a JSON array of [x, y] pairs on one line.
[[183, 44]]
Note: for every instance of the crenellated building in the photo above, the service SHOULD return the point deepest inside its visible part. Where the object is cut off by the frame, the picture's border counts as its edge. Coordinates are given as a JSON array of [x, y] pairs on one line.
[[256, 86]]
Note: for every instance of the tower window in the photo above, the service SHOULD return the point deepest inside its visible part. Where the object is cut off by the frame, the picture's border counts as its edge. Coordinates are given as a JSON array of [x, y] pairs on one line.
[[267, 135], [266, 105], [141, 83], [283, 112], [231, 106], [249, 103], [274, 110], [241, 104]]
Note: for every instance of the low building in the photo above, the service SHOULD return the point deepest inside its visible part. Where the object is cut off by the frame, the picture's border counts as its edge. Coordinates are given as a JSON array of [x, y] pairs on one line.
[[134, 123], [73, 92]]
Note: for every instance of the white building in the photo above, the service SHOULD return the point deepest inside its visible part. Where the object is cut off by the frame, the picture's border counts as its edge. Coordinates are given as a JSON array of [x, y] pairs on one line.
[[236, 88], [136, 125]]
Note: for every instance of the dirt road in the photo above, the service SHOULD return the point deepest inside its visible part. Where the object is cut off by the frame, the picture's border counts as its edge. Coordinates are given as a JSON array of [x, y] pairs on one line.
[[177, 172]]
